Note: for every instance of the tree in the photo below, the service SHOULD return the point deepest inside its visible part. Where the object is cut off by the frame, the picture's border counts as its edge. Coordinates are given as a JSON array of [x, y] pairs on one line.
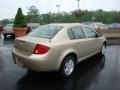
[[19, 19], [78, 14], [33, 15], [46, 18]]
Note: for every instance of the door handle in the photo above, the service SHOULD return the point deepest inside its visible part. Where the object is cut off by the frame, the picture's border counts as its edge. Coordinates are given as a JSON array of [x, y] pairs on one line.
[[76, 44]]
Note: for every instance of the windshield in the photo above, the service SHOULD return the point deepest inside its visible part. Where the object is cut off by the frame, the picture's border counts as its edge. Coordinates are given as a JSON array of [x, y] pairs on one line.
[[8, 27], [46, 31]]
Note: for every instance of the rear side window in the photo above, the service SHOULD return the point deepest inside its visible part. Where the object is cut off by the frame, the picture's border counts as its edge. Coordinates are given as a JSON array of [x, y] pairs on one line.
[[89, 32], [76, 33], [46, 31]]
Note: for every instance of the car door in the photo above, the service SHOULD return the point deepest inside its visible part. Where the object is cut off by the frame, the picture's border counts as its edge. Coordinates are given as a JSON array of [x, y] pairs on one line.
[[94, 42], [78, 41]]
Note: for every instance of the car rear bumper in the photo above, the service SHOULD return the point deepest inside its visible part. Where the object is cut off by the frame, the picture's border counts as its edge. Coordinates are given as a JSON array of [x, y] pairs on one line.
[[35, 62]]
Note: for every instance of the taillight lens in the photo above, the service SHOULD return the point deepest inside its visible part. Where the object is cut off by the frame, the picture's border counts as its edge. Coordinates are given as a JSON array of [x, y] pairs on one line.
[[41, 49]]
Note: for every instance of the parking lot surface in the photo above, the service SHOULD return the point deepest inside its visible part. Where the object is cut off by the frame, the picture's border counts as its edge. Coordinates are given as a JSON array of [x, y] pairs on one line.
[[95, 73]]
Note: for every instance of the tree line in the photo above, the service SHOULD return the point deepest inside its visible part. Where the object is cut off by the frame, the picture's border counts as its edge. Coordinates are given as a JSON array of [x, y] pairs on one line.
[[34, 16]]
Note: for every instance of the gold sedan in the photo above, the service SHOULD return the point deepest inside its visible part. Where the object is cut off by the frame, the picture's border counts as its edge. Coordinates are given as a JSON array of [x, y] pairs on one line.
[[56, 47]]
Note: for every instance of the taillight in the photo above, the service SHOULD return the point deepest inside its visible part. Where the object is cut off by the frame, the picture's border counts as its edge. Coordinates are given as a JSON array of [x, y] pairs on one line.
[[40, 49]]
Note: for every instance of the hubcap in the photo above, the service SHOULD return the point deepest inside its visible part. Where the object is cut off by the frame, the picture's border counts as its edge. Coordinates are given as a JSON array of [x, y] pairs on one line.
[[69, 66], [103, 49]]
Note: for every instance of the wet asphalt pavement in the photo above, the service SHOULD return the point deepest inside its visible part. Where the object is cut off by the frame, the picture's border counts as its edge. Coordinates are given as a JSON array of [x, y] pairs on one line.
[[95, 73]]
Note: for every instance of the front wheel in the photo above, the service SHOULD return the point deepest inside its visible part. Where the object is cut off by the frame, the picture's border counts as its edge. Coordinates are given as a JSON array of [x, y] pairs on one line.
[[103, 49], [68, 66]]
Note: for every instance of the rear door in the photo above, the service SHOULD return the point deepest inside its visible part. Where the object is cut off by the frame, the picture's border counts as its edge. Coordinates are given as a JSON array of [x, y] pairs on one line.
[[78, 41]]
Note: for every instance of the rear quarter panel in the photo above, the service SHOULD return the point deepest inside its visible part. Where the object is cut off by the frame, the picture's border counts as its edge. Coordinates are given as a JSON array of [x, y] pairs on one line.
[[59, 51]]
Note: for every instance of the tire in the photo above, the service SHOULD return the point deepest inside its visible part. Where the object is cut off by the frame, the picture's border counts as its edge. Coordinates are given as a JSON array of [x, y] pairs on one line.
[[68, 66], [103, 49]]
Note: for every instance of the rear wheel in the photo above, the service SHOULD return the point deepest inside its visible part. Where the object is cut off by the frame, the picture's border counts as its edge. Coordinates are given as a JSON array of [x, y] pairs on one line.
[[68, 66]]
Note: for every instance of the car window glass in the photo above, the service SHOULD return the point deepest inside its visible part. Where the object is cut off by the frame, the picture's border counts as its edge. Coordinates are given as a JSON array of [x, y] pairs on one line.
[[46, 31], [78, 32], [89, 32], [70, 34]]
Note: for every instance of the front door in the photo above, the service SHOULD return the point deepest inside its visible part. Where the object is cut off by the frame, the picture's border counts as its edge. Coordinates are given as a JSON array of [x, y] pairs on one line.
[[94, 42]]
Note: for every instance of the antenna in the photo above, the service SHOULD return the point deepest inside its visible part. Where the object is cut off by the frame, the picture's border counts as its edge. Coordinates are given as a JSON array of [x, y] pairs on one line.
[[49, 33]]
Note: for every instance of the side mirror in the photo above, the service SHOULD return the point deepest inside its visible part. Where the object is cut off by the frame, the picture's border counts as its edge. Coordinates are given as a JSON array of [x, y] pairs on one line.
[[98, 34]]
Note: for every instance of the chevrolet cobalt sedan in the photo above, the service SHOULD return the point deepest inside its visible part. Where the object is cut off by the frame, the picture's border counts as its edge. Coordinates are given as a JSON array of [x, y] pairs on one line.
[[57, 47]]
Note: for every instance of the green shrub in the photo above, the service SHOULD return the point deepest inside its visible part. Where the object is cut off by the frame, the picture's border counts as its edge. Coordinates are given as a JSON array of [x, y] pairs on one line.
[[19, 19]]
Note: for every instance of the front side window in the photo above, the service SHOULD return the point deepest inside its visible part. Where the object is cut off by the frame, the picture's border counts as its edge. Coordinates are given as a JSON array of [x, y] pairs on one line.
[[89, 32], [46, 31]]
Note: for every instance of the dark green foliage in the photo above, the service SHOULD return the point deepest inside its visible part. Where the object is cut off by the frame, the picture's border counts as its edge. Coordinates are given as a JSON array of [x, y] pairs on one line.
[[82, 16], [107, 17], [19, 19], [33, 15]]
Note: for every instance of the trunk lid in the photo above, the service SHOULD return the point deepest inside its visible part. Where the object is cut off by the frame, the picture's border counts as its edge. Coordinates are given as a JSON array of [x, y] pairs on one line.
[[27, 44]]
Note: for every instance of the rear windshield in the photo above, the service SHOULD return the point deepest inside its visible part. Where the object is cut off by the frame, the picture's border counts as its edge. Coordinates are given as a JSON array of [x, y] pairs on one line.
[[46, 31]]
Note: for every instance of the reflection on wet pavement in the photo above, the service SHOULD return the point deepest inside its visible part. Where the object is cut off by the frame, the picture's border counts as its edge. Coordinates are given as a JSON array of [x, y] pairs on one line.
[[96, 73], [85, 74]]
